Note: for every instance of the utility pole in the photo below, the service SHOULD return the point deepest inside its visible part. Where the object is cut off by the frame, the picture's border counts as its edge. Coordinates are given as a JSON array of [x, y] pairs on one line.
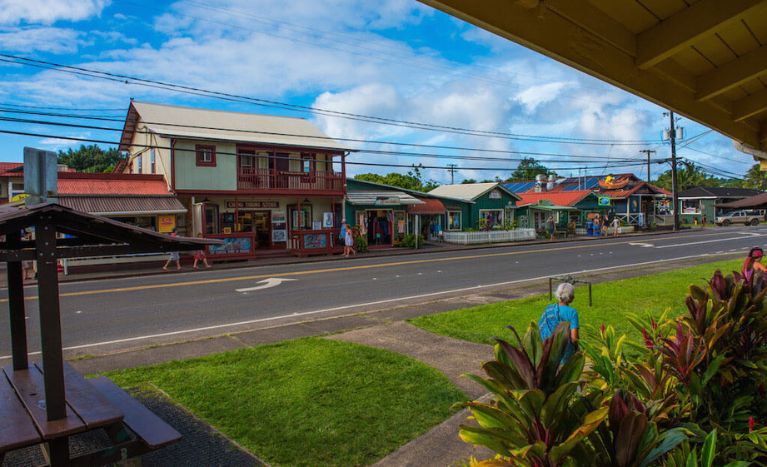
[[648, 152], [674, 189], [451, 169]]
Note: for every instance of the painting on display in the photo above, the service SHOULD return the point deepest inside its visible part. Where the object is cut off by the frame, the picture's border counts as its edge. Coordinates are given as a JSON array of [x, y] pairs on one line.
[[279, 227], [327, 220], [232, 246], [315, 241]]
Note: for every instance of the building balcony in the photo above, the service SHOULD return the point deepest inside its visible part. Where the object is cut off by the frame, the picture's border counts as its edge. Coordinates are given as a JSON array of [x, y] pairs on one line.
[[270, 181]]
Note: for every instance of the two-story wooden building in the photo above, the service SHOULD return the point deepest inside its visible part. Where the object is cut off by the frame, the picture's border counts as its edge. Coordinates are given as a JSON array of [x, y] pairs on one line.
[[264, 184]]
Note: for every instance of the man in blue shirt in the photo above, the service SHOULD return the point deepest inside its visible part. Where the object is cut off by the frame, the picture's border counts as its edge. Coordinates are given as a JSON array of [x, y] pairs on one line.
[[560, 312]]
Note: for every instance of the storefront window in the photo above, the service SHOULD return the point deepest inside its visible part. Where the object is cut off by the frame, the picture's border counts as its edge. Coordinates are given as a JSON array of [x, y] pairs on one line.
[[690, 206], [302, 221], [454, 220], [492, 217]]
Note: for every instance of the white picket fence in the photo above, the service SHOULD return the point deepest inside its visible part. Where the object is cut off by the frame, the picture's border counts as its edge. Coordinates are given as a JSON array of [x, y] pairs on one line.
[[491, 236]]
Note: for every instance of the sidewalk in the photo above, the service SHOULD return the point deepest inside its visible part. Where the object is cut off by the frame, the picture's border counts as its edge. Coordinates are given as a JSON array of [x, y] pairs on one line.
[[155, 268]]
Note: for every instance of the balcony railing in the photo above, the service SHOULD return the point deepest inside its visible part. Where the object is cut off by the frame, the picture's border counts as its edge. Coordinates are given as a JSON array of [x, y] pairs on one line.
[[267, 180]]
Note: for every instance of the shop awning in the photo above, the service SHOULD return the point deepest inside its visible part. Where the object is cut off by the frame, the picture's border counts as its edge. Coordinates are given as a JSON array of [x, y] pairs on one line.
[[381, 198], [429, 206], [123, 205]]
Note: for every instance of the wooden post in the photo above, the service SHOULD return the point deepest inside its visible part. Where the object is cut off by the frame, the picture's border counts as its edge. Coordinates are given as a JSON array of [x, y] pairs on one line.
[[16, 307], [50, 319]]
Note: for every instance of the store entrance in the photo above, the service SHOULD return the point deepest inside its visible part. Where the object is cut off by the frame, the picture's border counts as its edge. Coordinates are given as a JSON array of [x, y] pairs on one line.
[[260, 224], [380, 227]]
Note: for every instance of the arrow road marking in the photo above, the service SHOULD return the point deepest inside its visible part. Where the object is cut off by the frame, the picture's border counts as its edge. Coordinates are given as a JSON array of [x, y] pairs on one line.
[[265, 284], [644, 245]]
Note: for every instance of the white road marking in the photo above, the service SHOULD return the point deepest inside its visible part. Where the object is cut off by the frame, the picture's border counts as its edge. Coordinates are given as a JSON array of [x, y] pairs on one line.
[[78, 312], [643, 245], [358, 305], [707, 241], [265, 284]]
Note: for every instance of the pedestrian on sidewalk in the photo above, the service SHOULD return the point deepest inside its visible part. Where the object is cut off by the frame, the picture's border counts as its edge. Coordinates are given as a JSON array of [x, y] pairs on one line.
[[174, 255], [605, 226], [562, 312], [616, 226], [349, 242], [753, 263], [551, 227], [199, 255]]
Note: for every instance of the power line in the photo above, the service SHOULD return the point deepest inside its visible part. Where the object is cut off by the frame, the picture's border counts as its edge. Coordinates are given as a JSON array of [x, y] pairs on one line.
[[371, 164], [102, 128], [126, 79]]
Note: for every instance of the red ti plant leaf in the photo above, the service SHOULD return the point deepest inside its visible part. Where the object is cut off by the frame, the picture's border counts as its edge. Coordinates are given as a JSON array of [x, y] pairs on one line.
[[751, 424], [719, 286], [521, 362], [647, 341]]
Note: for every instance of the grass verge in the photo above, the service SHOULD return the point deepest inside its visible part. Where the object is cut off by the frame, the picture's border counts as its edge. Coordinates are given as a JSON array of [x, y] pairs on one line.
[[308, 401], [612, 302]]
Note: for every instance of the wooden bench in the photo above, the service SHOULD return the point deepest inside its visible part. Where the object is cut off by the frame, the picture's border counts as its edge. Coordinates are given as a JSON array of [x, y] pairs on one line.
[[149, 429], [16, 428]]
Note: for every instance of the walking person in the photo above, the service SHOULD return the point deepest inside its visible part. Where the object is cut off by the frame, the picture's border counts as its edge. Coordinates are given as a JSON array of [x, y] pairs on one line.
[[551, 227], [605, 226], [174, 255], [616, 226], [349, 243], [200, 255], [560, 312]]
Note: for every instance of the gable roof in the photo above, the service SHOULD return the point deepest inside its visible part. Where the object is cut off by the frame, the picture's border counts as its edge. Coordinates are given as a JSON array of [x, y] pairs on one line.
[[562, 198], [217, 125], [470, 191], [718, 192], [430, 194], [757, 201]]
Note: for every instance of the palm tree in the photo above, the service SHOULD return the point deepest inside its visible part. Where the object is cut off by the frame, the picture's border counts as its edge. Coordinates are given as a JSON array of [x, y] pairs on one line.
[[755, 178]]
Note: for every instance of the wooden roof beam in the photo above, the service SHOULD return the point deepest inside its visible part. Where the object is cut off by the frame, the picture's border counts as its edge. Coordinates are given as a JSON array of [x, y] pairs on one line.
[[749, 106], [732, 74], [682, 29], [597, 22]]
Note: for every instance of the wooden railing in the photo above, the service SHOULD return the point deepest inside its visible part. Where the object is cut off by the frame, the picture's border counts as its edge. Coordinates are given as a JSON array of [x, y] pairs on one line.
[[249, 179]]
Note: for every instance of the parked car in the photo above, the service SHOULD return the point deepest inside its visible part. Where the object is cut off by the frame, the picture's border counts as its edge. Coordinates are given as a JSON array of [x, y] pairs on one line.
[[740, 217]]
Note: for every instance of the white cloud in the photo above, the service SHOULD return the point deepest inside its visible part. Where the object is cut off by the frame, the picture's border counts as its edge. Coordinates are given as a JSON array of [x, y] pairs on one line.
[[536, 95], [40, 39], [48, 11]]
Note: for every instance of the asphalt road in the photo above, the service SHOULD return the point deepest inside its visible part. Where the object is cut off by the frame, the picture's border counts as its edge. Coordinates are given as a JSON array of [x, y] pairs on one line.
[[129, 311]]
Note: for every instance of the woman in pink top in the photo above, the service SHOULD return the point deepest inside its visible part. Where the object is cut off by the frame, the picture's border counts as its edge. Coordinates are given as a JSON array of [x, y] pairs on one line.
[[753, 263]]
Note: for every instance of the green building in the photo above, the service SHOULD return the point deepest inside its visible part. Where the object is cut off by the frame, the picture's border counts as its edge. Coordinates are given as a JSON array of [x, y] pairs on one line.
[[700, 201], [485, 205]]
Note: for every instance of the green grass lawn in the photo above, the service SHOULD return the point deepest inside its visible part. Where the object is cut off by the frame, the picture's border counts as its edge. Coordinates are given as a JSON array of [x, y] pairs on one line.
[[309, 401], [612, 301]]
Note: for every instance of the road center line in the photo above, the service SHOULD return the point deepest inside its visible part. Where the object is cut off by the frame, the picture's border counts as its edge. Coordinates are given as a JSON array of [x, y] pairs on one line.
[[359, 305], [744, 237], [597, 244]]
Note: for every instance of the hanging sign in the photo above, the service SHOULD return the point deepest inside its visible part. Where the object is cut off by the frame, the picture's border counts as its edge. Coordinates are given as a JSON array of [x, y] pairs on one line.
[[604, 201], [166, 223]]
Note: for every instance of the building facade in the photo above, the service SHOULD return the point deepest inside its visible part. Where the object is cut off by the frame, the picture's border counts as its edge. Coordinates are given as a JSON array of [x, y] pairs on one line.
[[486, 206], [701, 202], [263, 184]]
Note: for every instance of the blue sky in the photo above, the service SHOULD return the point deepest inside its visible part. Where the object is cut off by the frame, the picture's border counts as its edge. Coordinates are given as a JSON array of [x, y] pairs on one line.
[[395, 59]]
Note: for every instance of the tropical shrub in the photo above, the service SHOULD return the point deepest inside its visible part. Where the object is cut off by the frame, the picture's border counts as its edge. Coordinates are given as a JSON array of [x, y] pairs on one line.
[[691, 393], [408, 241], [361, 244]]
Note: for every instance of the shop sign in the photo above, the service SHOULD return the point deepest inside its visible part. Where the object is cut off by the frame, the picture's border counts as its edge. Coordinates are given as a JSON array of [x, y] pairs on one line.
[[253, 204], [19, 197], [604, 201], [166, 223], [390, 201]]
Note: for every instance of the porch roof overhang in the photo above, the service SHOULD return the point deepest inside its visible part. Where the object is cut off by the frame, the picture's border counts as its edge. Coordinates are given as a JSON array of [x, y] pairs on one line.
[[429, 206], [381, 198], [549, 207], [704, 59], [123, 205]]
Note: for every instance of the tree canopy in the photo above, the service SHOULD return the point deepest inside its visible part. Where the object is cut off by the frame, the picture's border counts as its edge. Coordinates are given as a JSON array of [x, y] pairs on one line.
[[413, 180], [91, 158], [528, 168]]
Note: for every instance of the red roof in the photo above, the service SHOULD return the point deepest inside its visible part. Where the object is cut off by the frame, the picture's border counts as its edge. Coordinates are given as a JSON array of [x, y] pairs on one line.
[[111, 184], [626, 192], [429, 206], [558, 198], [6, 166]]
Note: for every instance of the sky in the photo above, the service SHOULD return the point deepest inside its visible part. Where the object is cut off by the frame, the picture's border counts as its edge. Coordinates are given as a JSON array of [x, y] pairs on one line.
[[391, 59]]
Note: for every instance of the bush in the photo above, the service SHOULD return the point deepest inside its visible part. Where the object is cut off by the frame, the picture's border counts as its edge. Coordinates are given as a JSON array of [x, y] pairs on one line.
[[694, 388], [408, 241], [361, 244]]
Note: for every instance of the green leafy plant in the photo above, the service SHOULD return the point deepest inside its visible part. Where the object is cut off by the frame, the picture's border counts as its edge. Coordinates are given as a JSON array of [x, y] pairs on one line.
[[361, 244]]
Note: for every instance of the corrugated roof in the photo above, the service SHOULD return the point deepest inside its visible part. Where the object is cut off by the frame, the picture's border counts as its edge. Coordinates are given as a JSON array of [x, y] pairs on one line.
[[718, 192], [561, 198], [242, 127], [429, 206], [111, 184], [380, 198], [124, 205], [6, 166], [468, 191], [751, 202]]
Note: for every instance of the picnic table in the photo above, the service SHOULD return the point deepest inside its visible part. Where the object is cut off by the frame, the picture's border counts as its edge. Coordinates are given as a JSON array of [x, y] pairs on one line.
[[45, 403]]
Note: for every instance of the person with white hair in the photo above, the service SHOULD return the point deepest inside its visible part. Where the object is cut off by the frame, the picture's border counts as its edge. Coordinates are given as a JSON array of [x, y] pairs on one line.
[[561, 312]]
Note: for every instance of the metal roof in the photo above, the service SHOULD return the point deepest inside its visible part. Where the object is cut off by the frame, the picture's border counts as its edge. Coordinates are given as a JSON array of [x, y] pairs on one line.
[[170, 120], [469, 191], [429, 206], [123, 205], [381, 198], [706, 59], [718, 192]]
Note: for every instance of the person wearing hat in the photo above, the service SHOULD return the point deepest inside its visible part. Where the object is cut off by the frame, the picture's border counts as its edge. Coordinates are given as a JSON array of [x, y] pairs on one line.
[[753, 263]]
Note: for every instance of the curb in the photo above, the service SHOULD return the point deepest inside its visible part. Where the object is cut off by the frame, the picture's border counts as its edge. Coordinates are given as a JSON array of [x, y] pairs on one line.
[[387, 253]]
